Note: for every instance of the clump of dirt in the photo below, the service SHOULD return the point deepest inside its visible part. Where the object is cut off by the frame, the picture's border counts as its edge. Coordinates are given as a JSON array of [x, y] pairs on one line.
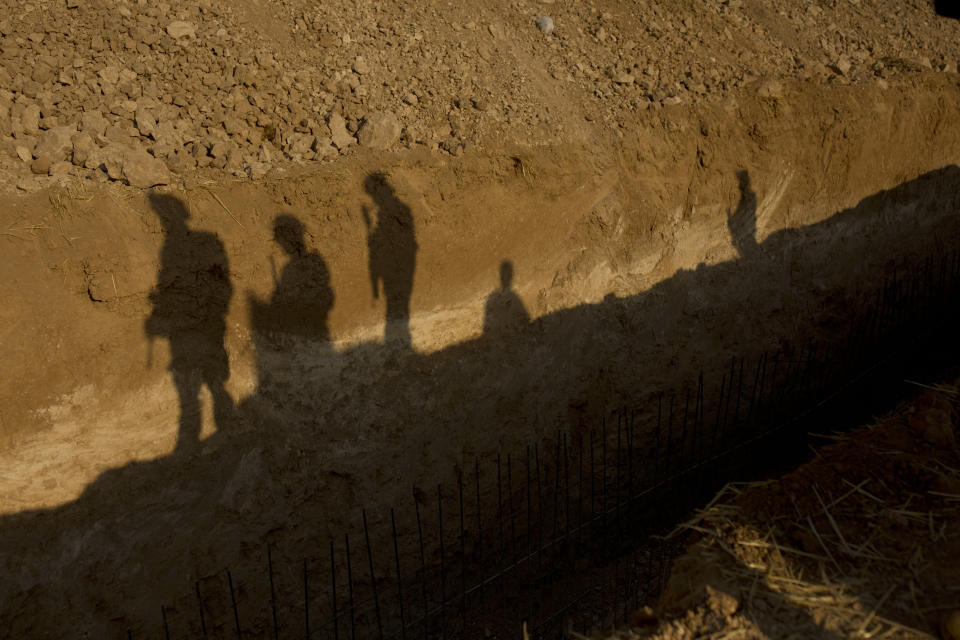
[[153, 93], [859, 542]]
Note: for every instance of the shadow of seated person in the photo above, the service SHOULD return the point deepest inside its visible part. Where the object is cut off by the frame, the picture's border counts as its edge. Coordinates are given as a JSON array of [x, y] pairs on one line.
[[302, 297], [504, 310]]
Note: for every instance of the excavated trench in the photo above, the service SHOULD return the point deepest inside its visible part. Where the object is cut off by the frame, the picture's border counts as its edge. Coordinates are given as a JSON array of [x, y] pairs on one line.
[[230, 367]]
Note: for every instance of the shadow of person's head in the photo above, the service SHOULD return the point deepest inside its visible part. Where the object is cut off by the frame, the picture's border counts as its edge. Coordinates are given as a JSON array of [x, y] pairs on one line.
[[742, 223], [172, 212], [288, 233], [379, 188]]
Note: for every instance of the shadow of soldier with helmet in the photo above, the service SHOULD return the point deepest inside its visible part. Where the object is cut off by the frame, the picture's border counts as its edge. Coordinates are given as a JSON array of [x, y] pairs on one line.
[[190, 302]]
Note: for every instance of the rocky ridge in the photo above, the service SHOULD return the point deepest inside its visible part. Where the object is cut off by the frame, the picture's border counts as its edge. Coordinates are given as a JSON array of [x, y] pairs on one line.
[[152, 93]]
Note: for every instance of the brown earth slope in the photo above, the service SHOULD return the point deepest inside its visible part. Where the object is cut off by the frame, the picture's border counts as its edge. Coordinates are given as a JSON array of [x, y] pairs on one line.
[[652, 229]]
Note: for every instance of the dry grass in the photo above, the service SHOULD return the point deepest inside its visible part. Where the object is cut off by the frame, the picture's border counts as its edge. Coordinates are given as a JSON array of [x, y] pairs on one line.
[[853, 560], [763, 562]]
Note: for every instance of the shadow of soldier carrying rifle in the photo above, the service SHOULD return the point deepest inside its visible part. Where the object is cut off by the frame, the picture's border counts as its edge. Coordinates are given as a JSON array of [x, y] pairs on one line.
[[190, 302], [392, 244]]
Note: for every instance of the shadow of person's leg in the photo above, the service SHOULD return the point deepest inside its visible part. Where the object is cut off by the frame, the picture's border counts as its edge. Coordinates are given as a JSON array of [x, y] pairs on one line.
[[224, 409], [398, 318], [187, 381]]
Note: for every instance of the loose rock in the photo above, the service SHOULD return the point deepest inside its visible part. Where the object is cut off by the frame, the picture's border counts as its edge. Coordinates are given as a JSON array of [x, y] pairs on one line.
[[380, 130], [361, 66], [31, 118], [180, 29], [93, 123], [41, 166], [83, 146], [545, 24], [55, 144], [140, 169], [338, 132], [843, 65]]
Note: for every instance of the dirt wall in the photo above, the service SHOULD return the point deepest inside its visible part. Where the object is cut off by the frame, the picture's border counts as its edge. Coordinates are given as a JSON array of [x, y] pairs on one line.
[[186, 370]]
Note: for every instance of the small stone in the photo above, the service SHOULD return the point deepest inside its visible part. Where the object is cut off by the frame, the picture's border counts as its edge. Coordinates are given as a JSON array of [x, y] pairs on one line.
[[843, 65], [55, 144], [110, 159], [146, 122], [324, 148], [31, 118], [83, 146], [221, 149], [380, 130], [73, 4], [338, 132], [162, 151], [93, 123], [301, 143], [545, 24], [42, 73], [140, 169], [257, 170], [166, 133], [180, 29], [623, 78], [94, 159], [361, 66], [770, 89], [267, 152], [109, 76], [40, 166], [181, 163], [23, 153]]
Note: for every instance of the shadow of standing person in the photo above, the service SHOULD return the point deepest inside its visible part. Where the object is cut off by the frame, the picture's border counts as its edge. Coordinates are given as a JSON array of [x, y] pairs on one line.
[[504, 310], [947, 8], [393, 255], [742, 223], [190, 302], [302, 297]]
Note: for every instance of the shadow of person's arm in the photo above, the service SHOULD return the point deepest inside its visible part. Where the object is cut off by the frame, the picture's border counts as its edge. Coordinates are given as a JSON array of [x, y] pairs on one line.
[[260, 317]]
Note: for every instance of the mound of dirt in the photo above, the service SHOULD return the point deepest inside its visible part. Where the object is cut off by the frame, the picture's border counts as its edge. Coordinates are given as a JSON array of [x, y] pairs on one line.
[[155, 93], [860, 542]]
